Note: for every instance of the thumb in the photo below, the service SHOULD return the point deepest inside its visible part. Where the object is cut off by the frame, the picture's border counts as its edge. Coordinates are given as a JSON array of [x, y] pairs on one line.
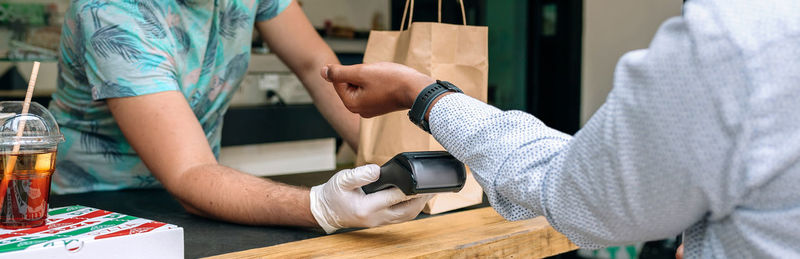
[[357, 177], [335, 73]]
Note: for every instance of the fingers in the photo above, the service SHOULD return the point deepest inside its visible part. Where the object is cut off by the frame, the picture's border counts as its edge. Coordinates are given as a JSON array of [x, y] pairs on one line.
[[407, 210], [384, 199], [411, 208], [357, 177], [397, 208], [344, 81], [413, 205]]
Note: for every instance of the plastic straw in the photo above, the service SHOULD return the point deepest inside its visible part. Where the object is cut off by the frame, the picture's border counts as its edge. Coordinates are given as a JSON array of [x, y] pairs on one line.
[[25, 105]]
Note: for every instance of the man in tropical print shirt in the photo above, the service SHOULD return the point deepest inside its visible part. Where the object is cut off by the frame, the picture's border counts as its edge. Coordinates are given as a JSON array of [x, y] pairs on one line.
[[142, 91]]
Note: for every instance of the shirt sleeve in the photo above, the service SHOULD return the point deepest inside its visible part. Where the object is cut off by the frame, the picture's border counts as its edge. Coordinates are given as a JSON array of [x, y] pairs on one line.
[[267, 9], [127, 48], [634, 172]]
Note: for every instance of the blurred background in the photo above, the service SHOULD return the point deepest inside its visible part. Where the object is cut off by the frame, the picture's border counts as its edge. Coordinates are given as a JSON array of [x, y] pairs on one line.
[[552, 58]]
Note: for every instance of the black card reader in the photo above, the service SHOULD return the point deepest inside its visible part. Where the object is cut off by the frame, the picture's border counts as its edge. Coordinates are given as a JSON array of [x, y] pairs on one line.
[[421, 172]]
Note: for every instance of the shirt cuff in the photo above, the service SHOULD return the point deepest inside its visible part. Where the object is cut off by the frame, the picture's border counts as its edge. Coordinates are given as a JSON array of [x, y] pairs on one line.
[[447, 115]]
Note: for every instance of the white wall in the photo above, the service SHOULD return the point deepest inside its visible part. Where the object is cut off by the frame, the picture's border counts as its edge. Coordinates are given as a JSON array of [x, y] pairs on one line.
[[610, 29], [356, 13]]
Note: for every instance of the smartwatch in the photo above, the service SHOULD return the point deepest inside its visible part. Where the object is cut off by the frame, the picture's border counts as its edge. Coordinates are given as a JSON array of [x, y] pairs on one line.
[[424, 100]]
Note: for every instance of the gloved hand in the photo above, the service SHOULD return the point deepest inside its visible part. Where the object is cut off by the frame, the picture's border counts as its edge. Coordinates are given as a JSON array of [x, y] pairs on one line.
[[340, 203]]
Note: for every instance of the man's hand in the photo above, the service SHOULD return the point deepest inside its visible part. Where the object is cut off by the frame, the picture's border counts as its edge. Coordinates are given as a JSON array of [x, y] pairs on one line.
[[375, 89], [340, 203]]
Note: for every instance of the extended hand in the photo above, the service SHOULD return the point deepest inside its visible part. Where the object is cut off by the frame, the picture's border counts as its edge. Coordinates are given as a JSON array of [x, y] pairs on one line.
[[340, 203], [378, 88]]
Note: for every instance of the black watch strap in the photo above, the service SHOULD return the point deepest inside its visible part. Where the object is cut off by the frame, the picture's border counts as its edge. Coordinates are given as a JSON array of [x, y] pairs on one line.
[[424, 100]]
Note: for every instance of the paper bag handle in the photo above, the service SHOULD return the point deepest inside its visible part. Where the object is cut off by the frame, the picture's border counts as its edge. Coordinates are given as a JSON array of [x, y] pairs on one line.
[[410, 12]]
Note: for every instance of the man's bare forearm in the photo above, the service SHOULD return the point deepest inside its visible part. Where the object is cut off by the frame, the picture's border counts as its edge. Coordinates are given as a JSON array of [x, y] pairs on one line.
[[327, 102], [220, 192], [291, 36]]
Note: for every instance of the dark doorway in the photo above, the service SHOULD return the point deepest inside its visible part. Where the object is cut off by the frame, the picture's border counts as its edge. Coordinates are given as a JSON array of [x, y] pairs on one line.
[[554, 62], [426, 11]]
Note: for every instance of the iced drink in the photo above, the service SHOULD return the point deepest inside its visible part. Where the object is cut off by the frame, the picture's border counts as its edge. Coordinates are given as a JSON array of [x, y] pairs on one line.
[[27, 162]]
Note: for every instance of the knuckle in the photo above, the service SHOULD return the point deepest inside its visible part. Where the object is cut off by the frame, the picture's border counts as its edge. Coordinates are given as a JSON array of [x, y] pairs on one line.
[[362, 215]]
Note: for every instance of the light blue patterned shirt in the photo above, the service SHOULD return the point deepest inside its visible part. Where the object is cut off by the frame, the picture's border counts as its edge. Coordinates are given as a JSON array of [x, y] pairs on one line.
[[123, 48], [700, 135]]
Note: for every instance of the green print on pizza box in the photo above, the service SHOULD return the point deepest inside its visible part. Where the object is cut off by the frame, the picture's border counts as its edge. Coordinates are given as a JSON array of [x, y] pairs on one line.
[[76, 226]]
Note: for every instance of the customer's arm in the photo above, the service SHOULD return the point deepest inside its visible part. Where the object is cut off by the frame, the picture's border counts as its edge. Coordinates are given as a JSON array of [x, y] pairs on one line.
[[634, 172]]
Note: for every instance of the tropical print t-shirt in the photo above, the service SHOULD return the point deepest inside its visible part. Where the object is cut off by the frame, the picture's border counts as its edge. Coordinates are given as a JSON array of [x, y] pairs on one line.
[[124, 48]]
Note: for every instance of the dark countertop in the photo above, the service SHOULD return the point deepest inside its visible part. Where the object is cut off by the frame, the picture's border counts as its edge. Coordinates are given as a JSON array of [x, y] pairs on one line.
[[202, 236]]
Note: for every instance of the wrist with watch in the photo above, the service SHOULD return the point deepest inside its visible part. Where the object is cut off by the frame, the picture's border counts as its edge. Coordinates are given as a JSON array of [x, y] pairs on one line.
[[425, 99]]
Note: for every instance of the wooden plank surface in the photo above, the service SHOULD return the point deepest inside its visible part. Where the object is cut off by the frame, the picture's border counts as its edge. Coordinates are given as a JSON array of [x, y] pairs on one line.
[[478, 233]]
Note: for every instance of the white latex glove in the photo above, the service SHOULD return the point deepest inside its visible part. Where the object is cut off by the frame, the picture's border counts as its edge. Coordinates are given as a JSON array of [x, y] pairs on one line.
[[340, 203]]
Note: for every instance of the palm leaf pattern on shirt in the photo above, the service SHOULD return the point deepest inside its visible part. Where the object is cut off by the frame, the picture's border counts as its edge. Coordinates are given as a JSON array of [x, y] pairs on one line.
[[95, 142], [211, 51], [78, 73], [194, 97], [112, 89], [148, 62], [73, 174], [150, 22], [113, 40], [231, 19], [145, 180], [94, 6], [236, 67], [74, 49], [60, 82], [74, 115], [185, 3], [199, 103], [182, 38], [266, 8]]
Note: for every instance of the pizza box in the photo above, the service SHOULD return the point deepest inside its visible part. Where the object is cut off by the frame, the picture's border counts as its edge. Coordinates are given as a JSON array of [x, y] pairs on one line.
[[84, 232]]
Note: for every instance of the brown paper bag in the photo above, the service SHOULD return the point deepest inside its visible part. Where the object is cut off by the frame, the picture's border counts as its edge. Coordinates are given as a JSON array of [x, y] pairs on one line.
[[454, 53]]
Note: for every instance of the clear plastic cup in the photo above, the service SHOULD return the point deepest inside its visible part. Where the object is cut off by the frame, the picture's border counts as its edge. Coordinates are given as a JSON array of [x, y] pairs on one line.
[[28, 167]]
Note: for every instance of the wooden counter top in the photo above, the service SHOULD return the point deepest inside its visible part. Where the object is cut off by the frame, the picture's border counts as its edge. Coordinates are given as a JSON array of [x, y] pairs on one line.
[[474, 233]]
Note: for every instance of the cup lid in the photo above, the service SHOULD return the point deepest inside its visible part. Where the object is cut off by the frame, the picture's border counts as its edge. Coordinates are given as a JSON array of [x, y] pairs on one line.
[[40, 128]]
